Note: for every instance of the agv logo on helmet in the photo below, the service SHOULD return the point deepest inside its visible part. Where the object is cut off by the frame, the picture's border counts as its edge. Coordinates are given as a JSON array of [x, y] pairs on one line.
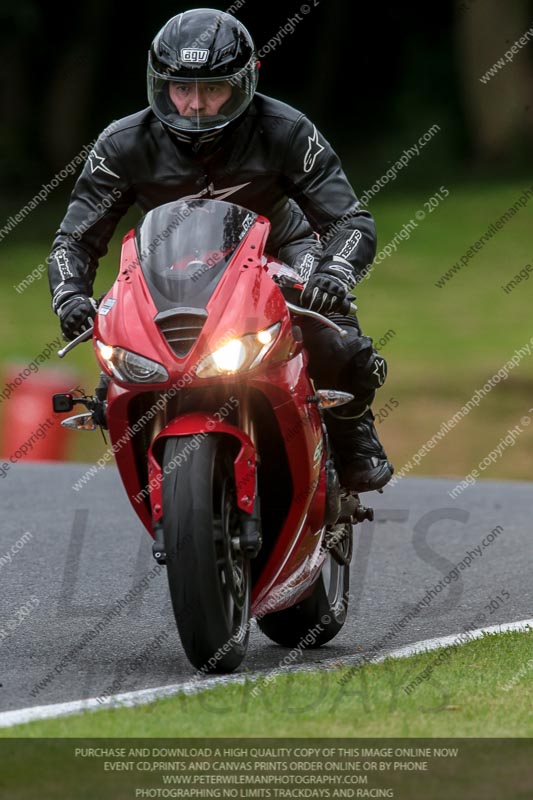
[[194, 55]]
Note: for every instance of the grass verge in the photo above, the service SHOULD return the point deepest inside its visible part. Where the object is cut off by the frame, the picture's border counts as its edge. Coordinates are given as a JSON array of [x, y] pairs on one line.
[[479, 689]]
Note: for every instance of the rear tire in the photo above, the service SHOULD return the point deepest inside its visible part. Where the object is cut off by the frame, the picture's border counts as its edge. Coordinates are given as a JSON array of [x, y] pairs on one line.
[[319, 618], [208, 576]]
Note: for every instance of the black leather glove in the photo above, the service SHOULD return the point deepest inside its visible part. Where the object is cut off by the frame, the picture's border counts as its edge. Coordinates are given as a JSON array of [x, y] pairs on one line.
[[325, 293], [75, 310]]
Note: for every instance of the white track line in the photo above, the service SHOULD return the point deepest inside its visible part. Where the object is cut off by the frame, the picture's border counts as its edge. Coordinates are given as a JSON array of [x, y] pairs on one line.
[[21, 715]]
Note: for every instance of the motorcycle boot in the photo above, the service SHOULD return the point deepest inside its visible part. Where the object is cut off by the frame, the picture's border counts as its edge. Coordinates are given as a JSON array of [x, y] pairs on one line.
[[361, 461]]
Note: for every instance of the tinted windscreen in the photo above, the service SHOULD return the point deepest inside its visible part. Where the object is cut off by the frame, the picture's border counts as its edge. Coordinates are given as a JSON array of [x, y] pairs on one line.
[[184, 248]]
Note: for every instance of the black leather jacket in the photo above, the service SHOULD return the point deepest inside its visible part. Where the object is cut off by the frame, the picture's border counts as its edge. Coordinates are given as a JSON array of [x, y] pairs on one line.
[[275, 163]]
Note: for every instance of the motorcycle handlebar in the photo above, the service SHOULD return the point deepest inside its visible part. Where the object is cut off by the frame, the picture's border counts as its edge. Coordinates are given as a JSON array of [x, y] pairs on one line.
[[348, 309]]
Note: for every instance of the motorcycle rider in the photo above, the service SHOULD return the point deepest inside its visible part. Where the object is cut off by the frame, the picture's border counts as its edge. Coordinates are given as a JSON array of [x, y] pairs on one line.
[[208, 133]]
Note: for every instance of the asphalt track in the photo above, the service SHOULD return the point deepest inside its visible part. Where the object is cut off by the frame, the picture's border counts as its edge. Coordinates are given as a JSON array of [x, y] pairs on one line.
[[87, 551]]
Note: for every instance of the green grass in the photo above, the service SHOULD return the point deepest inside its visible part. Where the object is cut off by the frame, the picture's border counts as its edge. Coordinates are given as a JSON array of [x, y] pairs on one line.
[[483, 690], [470, 325], [464, 696], [447, 341]]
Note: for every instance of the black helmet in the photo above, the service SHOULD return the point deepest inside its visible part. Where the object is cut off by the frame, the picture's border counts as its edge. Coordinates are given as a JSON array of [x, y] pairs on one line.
[[209, 57]]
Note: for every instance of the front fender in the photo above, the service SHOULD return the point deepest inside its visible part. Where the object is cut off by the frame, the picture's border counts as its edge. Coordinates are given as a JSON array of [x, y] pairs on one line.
[[199, 425]]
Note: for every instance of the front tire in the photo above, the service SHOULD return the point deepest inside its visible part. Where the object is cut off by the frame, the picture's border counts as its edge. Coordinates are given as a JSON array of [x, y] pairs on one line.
[[209, 577], [319, 617]]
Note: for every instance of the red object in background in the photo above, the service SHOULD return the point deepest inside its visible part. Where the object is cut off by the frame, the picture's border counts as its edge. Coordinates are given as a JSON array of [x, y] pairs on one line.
[[30, 430]]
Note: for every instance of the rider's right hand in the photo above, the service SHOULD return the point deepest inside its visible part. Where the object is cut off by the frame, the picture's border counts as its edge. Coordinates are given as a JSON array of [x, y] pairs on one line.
[[76, 313]]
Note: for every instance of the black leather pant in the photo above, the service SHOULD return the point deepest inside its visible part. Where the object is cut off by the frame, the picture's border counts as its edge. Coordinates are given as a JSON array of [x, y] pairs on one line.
[[349, 363]]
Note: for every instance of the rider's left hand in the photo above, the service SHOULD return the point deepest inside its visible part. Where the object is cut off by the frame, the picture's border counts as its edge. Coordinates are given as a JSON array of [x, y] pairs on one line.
[[324, 293]]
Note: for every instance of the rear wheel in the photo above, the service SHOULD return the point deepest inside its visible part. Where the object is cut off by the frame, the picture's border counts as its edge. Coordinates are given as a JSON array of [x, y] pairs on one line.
[[319, 618], [209, 577]]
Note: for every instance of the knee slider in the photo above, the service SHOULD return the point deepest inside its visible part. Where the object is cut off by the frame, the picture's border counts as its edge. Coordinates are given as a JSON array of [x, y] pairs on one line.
[[368, 372], [376, 369]]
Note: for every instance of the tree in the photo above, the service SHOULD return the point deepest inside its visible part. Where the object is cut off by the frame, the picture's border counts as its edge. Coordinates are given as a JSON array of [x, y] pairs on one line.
[[496, 106]]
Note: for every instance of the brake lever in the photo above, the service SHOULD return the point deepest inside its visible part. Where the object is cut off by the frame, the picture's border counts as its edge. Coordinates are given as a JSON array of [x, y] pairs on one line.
[[306, 312], [75, 342]]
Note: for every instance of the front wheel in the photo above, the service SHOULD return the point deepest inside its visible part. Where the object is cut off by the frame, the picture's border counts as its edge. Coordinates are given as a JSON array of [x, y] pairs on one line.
[[208, 575], [319, 618]]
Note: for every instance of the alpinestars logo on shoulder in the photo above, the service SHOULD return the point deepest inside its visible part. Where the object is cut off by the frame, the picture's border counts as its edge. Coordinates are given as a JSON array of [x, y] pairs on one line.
[[98, 162], [313, 151]]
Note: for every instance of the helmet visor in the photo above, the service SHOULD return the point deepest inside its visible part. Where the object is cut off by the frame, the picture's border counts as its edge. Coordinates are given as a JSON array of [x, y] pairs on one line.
[[196, 105]]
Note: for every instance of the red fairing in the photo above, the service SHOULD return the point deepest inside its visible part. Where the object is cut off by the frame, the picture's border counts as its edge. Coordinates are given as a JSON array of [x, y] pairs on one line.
[[244, 300]]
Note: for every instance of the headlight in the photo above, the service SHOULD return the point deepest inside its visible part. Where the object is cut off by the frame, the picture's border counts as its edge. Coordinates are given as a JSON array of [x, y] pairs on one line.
[[238, 355], [231, 357], [130, 367]]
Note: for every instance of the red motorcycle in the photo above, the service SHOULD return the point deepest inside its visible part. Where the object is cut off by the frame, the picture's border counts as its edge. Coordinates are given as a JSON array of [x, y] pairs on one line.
[[218, 433]]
